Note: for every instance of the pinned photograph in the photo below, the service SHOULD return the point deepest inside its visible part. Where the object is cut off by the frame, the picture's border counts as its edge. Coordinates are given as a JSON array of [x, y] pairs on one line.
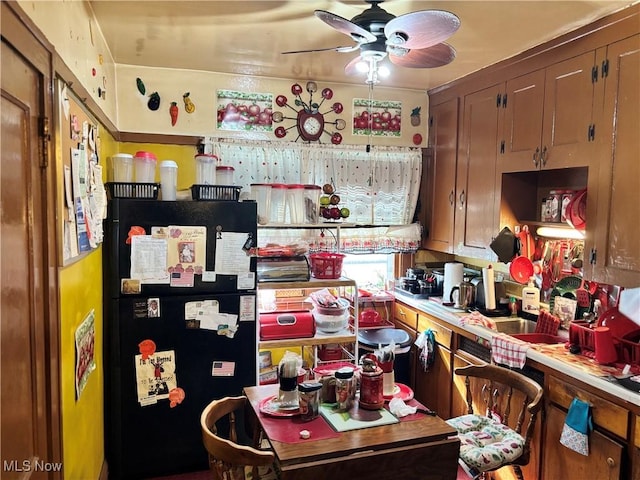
[[153, 308]]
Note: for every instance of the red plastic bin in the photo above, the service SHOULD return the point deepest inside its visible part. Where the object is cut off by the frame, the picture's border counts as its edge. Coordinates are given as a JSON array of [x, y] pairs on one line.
[[326, 265]]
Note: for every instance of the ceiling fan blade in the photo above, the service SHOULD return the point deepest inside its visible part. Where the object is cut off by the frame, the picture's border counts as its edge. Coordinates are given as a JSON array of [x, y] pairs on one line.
[[345, 26], [435, 56], [421, 29], [346, 49]]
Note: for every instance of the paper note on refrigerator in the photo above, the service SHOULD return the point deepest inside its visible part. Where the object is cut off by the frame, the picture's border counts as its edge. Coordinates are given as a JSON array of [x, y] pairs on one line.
[[155, 376], [149, 259], [231, 255]]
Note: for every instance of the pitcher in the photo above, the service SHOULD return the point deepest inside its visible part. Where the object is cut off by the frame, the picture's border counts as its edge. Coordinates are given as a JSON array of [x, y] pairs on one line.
[[464, 298]]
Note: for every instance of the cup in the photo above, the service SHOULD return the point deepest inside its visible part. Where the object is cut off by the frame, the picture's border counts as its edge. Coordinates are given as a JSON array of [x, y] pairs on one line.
[[206, 169], [145, 167], [122, 167], [168, 179], [605, 349]]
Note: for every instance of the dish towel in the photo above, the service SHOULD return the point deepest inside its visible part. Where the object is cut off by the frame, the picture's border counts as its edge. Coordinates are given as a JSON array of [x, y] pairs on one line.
[[577, 425], [509, 351], [476, 318], [547, 323]]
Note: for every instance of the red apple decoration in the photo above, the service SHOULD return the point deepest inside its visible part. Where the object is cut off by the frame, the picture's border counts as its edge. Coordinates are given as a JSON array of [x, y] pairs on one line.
[[336, 138], [280, 132], [296, 89], [337, 107], [327, 93], [281, 100]]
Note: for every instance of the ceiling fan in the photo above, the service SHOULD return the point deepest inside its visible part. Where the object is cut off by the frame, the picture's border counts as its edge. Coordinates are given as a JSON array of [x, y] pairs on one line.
[[414, 40]]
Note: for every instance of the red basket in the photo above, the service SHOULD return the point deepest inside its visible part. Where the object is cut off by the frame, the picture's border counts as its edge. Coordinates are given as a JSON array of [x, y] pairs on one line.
[[326, 265]]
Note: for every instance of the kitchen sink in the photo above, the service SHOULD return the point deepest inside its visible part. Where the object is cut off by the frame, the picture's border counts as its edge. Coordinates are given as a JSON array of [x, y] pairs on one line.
[[512, 326]]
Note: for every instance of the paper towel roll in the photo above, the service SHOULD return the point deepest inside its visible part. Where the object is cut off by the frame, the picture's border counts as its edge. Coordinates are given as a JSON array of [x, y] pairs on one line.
[[453, 275], [488, 282]]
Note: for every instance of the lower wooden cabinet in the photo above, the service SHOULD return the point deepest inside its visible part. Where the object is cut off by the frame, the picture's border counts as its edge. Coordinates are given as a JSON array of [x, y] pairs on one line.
[[433, 386], [604, 460]]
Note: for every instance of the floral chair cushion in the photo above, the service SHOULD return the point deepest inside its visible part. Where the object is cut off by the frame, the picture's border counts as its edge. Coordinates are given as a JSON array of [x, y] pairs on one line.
[[486, 444]]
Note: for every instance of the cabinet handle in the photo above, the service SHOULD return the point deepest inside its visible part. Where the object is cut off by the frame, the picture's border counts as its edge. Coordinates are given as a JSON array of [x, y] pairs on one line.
[[451, 198], [543, 157], [611, 462], [462, 198], [535, 157]]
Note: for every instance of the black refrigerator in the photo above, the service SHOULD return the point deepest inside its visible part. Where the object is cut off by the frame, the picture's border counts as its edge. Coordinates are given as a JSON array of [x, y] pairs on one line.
[[179, 327]]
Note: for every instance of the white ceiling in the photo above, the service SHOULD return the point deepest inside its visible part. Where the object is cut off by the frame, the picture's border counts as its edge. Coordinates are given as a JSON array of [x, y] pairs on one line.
[[246, 37]]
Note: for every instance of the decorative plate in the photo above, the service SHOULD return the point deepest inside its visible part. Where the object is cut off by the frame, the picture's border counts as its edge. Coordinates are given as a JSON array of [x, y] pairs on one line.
[[401, 391], [271, 406]]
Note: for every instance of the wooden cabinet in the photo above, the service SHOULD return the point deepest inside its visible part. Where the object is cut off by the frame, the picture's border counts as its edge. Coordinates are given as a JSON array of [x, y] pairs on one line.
[[476, 218], [433, 385], [439, 177], [548, 117], [604, 460], [615, 257]]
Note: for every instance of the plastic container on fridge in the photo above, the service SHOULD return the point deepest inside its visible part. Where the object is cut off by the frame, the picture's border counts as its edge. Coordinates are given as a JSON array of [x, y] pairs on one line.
[[145, 167], [122, 167], [206, 169], [168, 179], [224, 175]]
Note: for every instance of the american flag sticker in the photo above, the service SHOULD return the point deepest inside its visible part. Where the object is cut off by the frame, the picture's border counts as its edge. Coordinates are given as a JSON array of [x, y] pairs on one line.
[[223, 369]]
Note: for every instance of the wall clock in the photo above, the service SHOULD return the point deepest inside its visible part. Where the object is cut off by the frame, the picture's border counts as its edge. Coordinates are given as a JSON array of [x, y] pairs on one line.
[[309, 122]]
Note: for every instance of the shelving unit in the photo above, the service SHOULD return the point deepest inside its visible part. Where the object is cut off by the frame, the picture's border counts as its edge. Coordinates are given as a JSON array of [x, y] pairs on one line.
[[346, 339]]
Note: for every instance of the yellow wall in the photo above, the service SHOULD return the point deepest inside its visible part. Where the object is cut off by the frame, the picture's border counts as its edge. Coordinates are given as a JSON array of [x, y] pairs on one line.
[[82, 419]]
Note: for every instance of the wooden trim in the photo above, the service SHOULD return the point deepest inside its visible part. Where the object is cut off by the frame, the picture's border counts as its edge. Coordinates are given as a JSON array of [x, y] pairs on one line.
[[597, 34], [159, 138]]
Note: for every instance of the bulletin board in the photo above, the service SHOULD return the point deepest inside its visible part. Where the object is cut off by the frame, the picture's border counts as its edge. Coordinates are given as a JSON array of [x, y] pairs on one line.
[[83, 199]]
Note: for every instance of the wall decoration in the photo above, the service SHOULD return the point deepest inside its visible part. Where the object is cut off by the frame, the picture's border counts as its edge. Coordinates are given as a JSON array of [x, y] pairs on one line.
[[376, 117], [154, 101], [415, 116], [244, 111], [173, 113], [189, 106], [310, 122], [85, 361]]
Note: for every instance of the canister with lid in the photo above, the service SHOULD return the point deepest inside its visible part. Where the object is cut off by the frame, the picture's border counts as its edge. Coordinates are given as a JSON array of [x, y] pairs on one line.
[[309, 400], [345, 389], [206, 169], [295, 203], [278, 202], [145, 167], [312, 203], [224, 175]]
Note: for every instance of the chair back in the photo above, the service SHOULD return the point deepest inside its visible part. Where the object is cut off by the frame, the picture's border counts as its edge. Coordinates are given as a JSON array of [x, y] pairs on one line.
[[227, 458], [510, 395]]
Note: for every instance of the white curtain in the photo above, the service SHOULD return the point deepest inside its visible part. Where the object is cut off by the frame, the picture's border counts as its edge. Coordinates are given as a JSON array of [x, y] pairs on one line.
[[380, 187]]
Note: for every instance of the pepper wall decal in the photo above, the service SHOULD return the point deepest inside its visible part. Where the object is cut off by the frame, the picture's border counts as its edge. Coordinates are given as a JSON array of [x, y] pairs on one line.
[[189, 106], [173, 112]]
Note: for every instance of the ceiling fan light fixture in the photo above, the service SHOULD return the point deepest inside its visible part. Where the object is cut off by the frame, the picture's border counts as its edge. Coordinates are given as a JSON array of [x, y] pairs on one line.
[[362, 66], [383, 71]]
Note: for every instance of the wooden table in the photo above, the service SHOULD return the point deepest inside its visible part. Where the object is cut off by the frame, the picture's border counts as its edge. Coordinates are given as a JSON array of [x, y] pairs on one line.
[[424, 448]]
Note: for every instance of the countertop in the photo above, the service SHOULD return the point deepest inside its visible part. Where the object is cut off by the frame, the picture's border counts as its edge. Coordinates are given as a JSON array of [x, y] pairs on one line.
[[535, 353]]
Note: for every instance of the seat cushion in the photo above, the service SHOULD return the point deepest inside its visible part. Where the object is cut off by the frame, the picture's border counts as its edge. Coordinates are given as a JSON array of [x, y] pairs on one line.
[[485, 443]]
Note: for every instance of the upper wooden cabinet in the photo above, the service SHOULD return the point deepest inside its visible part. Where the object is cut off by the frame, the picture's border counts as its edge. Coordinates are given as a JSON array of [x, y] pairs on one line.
[[615, 240], [439, 178], [476, 219], [548, 121]]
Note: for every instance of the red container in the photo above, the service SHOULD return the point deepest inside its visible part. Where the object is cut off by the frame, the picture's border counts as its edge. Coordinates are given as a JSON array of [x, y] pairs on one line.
[[326, 265], [283, 325]]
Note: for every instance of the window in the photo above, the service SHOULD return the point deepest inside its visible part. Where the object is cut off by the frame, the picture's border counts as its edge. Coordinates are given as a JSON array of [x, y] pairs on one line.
[[370, 270]]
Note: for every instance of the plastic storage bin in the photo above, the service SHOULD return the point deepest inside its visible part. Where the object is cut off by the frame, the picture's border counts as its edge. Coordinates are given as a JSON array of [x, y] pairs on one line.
[[326, 265], [145, 167]]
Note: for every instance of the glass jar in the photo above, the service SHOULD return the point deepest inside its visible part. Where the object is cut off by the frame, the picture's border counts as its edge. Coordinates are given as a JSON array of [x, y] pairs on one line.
[[309, 400], [345, 389]]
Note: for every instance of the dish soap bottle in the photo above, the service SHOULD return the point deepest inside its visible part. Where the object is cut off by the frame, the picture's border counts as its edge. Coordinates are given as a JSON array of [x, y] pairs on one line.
[[531, 298]]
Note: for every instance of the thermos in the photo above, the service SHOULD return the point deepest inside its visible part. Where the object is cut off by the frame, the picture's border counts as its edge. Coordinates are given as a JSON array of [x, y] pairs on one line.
[[371, 385]]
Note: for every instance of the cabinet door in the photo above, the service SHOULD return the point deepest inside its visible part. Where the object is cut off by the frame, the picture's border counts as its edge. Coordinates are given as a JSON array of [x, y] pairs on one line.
[[617, 227], [476, 190], [433, 386], [440, 176], [568, 106], [604, 460], [523, 116], [459, 389]]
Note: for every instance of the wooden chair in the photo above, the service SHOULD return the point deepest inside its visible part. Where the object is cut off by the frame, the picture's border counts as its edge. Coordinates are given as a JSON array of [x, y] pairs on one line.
[[495, 438], [228, 459]]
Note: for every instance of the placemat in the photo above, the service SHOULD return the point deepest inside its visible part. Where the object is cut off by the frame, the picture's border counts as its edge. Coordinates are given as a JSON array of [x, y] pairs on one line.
[[356, 417], [287, 429]]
